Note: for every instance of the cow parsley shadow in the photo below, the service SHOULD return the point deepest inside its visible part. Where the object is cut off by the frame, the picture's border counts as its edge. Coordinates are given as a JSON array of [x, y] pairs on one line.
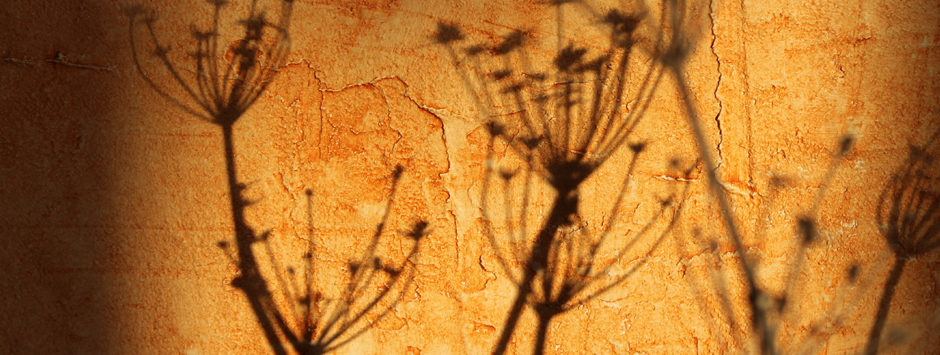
[[908, 217], [315, 323], [220, 87], [564, 125], [767, 310]]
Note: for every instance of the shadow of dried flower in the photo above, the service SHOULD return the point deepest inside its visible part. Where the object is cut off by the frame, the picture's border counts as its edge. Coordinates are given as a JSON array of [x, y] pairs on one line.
[[565, 124], [220, 92]]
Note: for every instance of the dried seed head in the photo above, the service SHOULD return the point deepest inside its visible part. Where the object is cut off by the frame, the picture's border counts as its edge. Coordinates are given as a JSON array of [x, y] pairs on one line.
[[507, 174], [807, 228], [393, 272], [501, 74], [532, 142], [354, 268], [419, 230], [845, 145], [852, 273], [304, 301], [495, 128], [639, 147], [447, 33], [475, 50], [568, 57], [510, 43], [674, 163]]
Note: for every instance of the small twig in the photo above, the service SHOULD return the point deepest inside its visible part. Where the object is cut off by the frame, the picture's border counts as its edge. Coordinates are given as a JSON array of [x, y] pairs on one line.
[[19, 61], [61, 59]]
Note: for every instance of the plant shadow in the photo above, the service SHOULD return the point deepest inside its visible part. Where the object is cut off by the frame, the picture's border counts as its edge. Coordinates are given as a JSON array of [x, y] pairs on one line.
[[767, 309], [564, 125], [220, 88], [908, 216]]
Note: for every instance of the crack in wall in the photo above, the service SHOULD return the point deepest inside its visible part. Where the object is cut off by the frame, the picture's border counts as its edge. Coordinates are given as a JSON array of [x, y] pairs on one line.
[[59, 59], [434, 112], [721, 106], [388, 116], [322, 89], [749, 102], [448, 146], [20, 61]]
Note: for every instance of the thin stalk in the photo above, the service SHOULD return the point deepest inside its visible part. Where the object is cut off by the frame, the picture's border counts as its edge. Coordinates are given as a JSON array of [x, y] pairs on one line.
[[758, 317], [537, 261], [542, 333], [251, 283], [874, 337]]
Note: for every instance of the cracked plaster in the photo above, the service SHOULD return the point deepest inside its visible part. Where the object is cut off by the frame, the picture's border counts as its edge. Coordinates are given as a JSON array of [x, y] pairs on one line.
[[120, 198]]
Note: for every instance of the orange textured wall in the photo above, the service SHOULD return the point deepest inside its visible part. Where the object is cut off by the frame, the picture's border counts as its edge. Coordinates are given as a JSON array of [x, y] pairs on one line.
[[116, 201]]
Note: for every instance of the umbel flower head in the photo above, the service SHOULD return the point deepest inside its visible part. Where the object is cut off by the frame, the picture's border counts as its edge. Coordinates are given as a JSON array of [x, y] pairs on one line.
[[909, 209], [562, 125], [568, 121], [222, 81], [317, 320]]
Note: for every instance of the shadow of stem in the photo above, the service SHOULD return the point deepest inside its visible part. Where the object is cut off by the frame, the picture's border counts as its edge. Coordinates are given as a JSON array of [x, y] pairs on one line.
[[908, 216], [221, 93], [767, 312], [565, 126]]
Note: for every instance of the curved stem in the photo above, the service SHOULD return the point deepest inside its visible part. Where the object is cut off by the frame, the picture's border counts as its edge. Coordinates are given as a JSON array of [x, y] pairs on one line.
[[758, 315], [542, 334], [537, 261], [525, 288], [250, 283], [874, 337]]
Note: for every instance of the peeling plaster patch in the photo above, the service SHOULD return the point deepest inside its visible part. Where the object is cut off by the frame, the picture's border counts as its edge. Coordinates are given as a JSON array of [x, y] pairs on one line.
[[432, 112], [492, 275], [388, 115], [448, 148], [673, 178]]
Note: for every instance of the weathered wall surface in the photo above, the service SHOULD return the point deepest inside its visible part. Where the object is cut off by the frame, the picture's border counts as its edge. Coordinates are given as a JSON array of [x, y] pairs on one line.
[[115, 200]]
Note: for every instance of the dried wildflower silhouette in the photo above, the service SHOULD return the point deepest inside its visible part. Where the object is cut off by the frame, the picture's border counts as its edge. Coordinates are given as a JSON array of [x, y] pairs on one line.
[[769, 311], [221, 92], [563, 131], [908, 217], [315, 323]]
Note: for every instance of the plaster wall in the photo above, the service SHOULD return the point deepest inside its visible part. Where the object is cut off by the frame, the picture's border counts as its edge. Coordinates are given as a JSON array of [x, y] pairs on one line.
[[115, 201]]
